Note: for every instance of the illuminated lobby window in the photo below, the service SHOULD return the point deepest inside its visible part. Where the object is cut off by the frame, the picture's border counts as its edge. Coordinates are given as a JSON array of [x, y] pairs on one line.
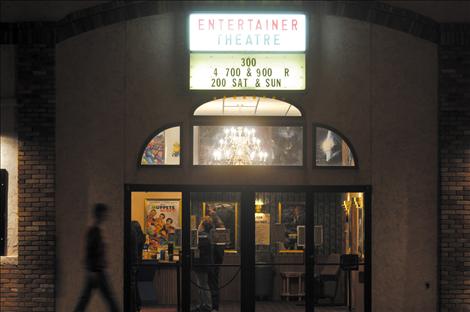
[[227, 142], [163, 149], [248, 145]]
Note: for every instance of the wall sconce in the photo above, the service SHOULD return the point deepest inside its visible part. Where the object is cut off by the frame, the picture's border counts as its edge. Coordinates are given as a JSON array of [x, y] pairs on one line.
[[358, 201], [258, 205], [347, 206]]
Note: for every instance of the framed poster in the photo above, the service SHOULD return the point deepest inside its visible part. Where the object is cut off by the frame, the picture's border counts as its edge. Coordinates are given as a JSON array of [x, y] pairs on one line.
[[292, 215], [162, 222]]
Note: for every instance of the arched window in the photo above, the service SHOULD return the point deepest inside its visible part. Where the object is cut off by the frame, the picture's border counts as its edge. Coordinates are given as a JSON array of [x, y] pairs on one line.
[[332, 149], [164, 148], [247, 106], [270, 133]]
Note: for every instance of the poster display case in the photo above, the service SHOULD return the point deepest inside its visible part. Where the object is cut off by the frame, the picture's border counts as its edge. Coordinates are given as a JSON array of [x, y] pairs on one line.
[[162, 223]]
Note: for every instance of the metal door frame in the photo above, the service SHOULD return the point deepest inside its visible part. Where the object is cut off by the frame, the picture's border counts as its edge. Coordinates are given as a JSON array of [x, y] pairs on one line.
[[247, 239]]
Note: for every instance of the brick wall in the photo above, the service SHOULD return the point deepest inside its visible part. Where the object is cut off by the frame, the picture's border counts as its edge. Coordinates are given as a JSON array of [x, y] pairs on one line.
[[454, 99], [29, 285]]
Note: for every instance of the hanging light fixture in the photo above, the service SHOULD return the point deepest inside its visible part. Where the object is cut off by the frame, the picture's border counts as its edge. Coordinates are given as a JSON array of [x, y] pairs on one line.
[[239, 147]]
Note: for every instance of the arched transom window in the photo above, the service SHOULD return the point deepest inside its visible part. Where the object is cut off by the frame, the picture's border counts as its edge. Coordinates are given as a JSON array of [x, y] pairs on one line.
[[247, 106], [163, 148], [332, 149]]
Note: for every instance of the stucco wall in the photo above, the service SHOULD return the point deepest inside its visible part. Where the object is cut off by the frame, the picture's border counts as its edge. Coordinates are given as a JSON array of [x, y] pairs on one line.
[[117, 84], [90, 157], [404, 172]]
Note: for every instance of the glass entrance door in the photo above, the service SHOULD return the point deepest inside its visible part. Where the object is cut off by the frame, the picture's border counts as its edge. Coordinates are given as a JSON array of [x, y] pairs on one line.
[[250, 249], [215, 251], [153, 251], [340, 251], [280, 266]]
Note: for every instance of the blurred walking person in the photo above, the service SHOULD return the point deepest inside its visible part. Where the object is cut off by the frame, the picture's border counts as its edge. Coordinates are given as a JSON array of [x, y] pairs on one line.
[[96, 263]]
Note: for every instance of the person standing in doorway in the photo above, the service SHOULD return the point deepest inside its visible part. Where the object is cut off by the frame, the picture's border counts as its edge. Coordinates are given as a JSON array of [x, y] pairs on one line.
[[203, 265], [217, 258], [96, 263], [137, 245]]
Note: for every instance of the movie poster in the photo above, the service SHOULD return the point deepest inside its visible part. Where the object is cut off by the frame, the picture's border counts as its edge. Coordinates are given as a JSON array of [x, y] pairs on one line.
[[162, 222]]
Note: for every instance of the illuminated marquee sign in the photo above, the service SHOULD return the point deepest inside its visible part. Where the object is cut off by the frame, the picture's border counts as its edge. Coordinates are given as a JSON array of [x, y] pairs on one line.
[[233, 51], [247, 32], [247, 71]]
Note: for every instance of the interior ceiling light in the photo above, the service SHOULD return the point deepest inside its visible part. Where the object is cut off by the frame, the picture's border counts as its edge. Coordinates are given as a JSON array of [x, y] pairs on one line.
[[239, 147]]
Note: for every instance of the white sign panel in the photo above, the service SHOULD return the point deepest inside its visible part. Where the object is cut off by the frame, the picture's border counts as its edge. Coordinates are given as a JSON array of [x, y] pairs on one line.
[[247, 32], [242, 71], [262, 232]]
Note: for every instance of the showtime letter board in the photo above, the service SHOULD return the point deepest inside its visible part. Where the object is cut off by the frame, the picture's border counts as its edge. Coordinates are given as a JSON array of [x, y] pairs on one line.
[[242, 71]]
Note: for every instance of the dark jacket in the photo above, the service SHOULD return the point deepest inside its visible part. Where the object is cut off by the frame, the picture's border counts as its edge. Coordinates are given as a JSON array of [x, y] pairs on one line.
[[137, 242], [218, 254], [95, 250], [205, 250]]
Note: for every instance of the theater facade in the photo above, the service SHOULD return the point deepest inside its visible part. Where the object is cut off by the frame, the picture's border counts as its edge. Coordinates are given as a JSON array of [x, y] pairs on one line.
[[265, 116], [307, 137]]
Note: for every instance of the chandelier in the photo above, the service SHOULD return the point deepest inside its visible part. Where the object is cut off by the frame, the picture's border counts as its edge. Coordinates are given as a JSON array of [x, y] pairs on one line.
[[239, 147]]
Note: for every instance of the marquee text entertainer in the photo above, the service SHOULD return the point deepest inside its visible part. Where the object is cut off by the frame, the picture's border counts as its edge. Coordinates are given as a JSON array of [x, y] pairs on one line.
[[247, 32]]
